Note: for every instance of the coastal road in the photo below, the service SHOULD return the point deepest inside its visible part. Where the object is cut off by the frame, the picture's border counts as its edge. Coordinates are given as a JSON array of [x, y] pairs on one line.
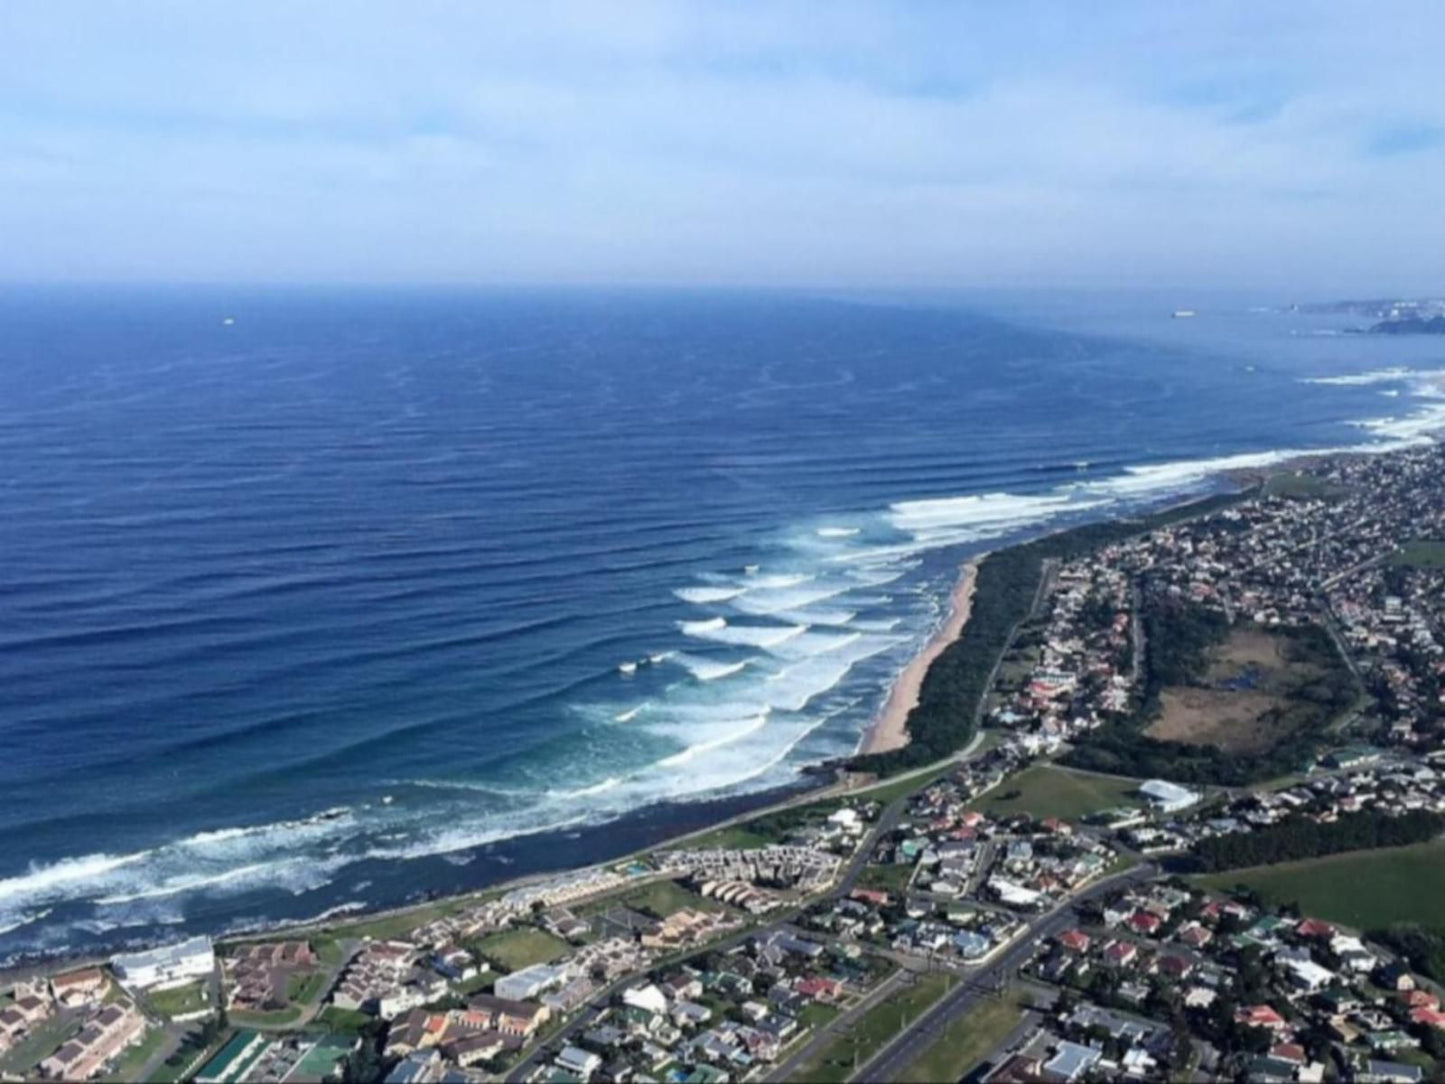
[[992, 978], [852, 870]]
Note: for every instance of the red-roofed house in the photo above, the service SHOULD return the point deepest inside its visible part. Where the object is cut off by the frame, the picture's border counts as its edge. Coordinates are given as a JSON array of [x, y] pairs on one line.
[[873, 896], [1429, 1017], [1176, 967], [819, 989], [1075, 941], [1121, 953], [1144, 922], [1195, 936], [1422, 999], [1260, 1016], [1314, 927], [1289, 1052], [1058, 827]]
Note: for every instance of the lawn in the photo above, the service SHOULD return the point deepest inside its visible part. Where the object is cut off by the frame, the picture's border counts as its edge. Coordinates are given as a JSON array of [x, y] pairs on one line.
[[967, 1042], [264, 1020], [343, 1021], [735, 837], [872, 1031], [892, 879], [1421, 553], [1365, 889], [1294, 486], [522, 947], [1046, 791], [180, 1000], [663, 898], [305, 987]]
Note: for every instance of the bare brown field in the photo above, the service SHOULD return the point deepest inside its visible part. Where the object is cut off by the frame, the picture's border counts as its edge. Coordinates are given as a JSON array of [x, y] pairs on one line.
[[1231, 720], [1246, 718], [1247, 646]]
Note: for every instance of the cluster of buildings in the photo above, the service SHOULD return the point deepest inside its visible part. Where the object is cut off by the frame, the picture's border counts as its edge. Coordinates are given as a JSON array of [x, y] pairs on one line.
[[387, 978], [789, 866], [1162, 980], [722, 1016], [260, 975], [107, 1031]]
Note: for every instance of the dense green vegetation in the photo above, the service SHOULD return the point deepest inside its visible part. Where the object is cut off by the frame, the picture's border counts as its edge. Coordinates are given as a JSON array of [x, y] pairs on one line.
[[951, 698], [1300, 837], [1422, 946], [1420, 553], [1179, 637]]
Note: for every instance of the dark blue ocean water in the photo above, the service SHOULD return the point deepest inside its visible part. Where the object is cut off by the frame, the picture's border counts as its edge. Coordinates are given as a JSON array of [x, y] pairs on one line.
[[350, 597]]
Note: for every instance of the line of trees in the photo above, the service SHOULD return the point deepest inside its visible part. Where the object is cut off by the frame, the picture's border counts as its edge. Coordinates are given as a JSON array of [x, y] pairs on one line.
[[1300, 837]]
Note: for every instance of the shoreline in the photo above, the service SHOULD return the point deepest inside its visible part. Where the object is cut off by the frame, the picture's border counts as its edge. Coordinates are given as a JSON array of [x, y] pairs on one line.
[[651, 827], [889, 728]]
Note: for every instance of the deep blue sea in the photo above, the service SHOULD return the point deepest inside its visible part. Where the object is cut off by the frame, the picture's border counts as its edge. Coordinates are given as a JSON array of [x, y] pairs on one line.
[[323, 598]]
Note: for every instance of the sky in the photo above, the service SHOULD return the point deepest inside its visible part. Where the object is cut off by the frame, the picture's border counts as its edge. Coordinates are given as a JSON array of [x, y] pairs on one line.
[[957, 144]]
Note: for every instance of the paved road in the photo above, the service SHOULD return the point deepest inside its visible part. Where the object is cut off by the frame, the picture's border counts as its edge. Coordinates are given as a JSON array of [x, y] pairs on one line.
[[823, 1037], [890, 1062], [886, 822]]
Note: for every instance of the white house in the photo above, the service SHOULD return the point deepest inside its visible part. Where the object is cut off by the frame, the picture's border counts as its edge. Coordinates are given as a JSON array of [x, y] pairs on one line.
[[170, 965]]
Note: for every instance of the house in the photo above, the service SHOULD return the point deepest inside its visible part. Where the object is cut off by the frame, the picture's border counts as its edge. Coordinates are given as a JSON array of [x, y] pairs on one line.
[[1075, 941], [1260, 1016], [104, 1036], [1144, 922], [1120, 953], [574, 1059], [530, 981], [509, 1017], [78, 987]]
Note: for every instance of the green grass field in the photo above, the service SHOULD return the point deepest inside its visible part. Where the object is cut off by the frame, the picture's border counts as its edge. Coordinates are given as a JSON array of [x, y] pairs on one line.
[[1364, 889], [1289, 485], [868, 1034], [343, 1021], [522, 947], [1046, 791], [1421, 553], [663, 898], [179, 1001], [891, 879], [305, 987], [968, 1041]]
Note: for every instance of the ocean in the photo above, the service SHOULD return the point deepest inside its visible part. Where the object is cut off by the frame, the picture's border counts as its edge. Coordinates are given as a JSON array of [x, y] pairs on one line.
[[321, 599]]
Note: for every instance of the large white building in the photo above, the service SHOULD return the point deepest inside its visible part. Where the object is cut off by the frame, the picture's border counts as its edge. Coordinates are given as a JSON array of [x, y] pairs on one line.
[[170, 965], [1168, 797]]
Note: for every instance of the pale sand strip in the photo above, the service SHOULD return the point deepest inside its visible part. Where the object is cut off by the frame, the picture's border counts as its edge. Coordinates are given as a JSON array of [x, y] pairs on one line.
[[888, 731]]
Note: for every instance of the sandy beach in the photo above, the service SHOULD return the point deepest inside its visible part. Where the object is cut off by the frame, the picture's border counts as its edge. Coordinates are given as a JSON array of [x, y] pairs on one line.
[[888, 731]]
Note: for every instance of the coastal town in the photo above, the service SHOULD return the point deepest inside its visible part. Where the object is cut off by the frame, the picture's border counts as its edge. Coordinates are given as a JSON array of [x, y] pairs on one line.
[[1191, 832]]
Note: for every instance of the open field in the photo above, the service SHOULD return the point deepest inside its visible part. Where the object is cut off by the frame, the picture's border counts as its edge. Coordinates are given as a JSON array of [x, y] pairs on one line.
[[870, 1032], [1046, 791], [969, 1040], [1365, 889], [1243, 702], [180, 1000], [893, 879], [663, 898], [522, 947], [1294, 486], [1421, 553], [343, 1021]]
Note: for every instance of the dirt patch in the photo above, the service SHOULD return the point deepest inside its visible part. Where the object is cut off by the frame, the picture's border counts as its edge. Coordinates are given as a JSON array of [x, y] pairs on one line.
[[1232, 720], [1241, 703], [1247, 646]]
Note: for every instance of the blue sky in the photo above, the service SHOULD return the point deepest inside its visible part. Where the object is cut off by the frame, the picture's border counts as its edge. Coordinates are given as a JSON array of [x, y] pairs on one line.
[[813, 144]]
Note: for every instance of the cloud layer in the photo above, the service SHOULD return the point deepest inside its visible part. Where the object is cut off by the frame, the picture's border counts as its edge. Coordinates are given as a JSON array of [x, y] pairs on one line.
[[839, 144]]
